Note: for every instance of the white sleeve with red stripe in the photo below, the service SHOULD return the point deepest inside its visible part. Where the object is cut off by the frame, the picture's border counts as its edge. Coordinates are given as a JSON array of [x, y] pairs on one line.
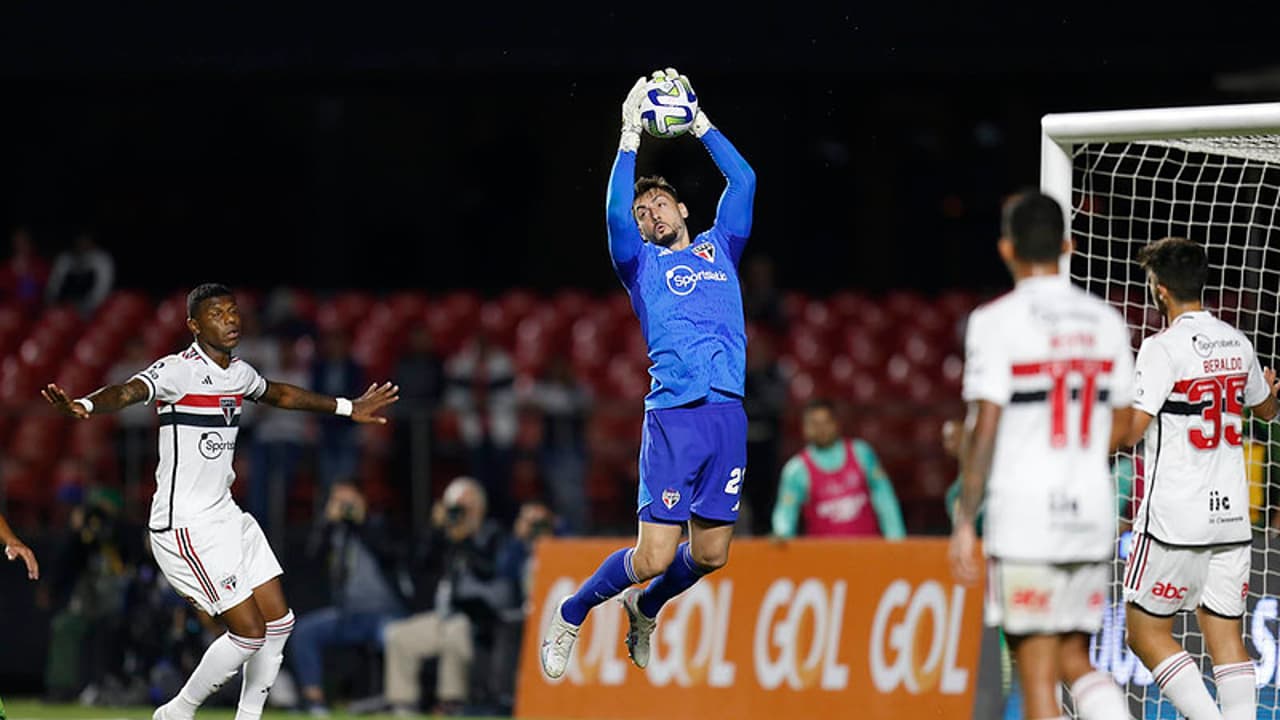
[[254, 384], [1256, 390], [986, 362], [1153, 377], [164, 379]]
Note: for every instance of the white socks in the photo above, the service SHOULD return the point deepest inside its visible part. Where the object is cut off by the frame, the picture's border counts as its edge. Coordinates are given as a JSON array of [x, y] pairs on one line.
[[1097, 697], [261, 669], [221, 661], [1180, 680], [1237, 690]]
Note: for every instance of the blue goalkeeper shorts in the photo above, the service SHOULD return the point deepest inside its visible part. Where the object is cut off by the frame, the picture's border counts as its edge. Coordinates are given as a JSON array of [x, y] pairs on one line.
[[693, 460]]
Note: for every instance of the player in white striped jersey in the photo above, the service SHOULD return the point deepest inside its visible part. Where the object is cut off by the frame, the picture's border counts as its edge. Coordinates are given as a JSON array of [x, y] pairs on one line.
[[209, 550], [1192, 531], [1048, 379]]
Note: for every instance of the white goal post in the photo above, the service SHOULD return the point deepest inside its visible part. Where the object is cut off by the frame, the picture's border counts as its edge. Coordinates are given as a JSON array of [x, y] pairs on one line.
[[1211, 174]]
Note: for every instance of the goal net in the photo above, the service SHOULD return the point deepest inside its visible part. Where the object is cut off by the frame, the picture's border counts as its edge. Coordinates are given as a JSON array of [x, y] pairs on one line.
[[1211, 174]]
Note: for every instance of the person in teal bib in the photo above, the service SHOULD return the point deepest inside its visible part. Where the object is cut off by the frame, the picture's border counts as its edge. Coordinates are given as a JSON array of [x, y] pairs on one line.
[[836, 485]]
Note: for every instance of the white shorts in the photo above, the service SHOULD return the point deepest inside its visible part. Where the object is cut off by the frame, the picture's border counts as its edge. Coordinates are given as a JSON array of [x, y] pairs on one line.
[[216, 565], [1046, 599], [1164, 580]]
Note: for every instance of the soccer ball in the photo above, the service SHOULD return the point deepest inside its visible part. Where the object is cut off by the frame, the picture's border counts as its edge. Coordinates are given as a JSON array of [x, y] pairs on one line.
[[668, 107]]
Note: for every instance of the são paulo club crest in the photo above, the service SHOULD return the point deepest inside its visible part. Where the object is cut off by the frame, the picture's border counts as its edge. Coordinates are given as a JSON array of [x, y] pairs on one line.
[[670, 497], [229, 583], [228, 405], [706, 251]]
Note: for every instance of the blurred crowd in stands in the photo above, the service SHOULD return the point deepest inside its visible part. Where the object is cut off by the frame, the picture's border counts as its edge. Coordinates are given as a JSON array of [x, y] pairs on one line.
[[519, 417]]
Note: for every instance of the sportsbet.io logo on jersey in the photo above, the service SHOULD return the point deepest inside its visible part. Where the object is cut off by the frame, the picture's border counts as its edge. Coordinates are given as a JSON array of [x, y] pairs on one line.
[[1204, 346], [212, 445], [683, 279]]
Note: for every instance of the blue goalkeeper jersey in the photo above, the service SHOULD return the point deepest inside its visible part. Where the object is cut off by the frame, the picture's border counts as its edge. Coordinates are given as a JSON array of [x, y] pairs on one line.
[[689, 302]]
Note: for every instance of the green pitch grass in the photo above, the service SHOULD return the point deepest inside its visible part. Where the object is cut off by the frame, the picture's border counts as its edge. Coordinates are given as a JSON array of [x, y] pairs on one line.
[[32, 710]]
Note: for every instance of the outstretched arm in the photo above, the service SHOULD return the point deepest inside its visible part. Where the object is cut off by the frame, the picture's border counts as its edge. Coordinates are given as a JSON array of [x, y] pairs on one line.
[[362, 410], [733, 214], [15, 548], [109, 399], [624, 235]]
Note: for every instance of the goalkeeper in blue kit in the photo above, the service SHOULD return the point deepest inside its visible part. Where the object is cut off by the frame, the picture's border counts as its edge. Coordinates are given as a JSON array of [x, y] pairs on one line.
[[693, 448]]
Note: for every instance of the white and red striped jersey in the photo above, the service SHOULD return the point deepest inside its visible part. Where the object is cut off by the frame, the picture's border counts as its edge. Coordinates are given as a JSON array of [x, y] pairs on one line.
[[1195, 379], [199, 407], [1057, 360]]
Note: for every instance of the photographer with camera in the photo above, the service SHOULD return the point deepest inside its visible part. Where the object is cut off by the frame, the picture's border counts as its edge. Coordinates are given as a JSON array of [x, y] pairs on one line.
[[362, 567], [88, 593], [534, 520], [465, 555]]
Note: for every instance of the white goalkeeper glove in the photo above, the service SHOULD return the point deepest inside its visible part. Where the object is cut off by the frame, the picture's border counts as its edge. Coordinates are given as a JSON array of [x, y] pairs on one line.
[[701, 124], [631, 127]]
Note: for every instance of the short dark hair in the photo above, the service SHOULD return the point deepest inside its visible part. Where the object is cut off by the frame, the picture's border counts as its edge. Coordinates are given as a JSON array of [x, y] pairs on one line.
[[202, 293], [820, 403], [655, 182], [1033, 222], [1178, 264]]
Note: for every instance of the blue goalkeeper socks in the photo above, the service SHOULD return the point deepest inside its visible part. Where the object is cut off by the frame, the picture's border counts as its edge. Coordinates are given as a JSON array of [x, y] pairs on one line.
[[680, 576], [612, 577]]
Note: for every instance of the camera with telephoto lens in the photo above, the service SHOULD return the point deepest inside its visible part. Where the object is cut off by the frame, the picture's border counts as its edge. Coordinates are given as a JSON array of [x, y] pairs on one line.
[[539, 527], [453, 514]]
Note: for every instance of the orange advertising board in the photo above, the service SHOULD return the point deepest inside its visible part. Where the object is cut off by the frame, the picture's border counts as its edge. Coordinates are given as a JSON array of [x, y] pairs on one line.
[[809, 629]]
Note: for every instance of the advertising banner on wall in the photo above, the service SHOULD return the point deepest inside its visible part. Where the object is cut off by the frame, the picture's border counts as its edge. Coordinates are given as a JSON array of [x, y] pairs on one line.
[[809, 628]]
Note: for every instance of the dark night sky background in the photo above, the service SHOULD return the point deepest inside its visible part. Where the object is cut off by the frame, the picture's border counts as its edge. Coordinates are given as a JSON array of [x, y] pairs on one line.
[[454, 147]]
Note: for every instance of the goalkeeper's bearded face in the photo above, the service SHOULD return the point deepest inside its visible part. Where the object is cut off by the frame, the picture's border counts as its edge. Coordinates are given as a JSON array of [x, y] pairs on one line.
[[661, 219]]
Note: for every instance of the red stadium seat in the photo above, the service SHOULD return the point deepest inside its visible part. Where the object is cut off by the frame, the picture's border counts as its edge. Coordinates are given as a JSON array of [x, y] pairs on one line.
[[569, 304], [619, 306], [633, 345], [819, 318], [530, 359], [956, 304], [161, 339], [518, 303], [932, 478], [18, 387], [864, 347], [77, 379], [97, 349], [37, 439], [375, 357], [805, 386], [407, 304], [171, 313], [12, 329], [926, 434], [867, 390], [28, 493], [64, 319], [447, 332], [921, 348], [793, 304], [952, 375], [904, 305], [498, 323], [809, 348], [847, 306], [628, 380], [462, 305]]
